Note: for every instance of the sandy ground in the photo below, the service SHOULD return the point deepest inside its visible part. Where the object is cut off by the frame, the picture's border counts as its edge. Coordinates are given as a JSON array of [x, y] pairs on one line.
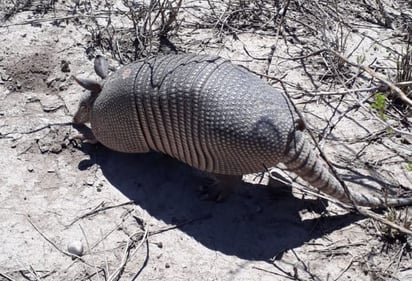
[[141, 217]]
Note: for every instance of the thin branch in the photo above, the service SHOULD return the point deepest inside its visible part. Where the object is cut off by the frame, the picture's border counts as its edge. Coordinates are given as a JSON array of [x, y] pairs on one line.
[[54, 245], [130, 244], [382, 87], [6, 276], [48, 126], [345, 269], [370, 214], [99, 209], [208, 216], [372, 73], [90, 252]]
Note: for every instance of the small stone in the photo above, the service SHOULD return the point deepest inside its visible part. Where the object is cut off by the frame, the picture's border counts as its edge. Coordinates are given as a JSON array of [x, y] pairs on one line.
[[30, 168], [62, 87], [51, 103], [64, 66], [167, 265], [56, 148], [51, 170], [44, 148], [75, 248], [405, 141], [32, 99], [51, 80], [90, 181], [4, 77]]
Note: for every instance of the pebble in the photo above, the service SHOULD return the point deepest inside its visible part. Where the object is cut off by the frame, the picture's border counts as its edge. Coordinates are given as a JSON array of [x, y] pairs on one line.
[[90, 181], [76, 248], [56, 148], [64, 66]]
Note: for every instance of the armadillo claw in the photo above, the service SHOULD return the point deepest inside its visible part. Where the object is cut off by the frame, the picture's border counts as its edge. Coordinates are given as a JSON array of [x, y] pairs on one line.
[[82, 138], [214, 192], [91, 141]]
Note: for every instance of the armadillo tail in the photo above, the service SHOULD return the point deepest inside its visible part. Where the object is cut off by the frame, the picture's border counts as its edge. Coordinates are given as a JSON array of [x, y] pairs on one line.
[[303, 161]]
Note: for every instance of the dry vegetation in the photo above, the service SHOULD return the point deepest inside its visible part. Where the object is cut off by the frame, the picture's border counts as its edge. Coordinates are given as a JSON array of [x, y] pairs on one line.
[[347, 65]]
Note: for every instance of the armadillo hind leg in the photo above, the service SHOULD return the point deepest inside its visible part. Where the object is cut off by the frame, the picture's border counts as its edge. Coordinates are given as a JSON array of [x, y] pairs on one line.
[[218, 187]]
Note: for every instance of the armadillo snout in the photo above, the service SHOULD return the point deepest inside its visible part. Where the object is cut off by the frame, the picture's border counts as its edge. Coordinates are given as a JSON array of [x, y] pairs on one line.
[[84, 110], [82, 115]]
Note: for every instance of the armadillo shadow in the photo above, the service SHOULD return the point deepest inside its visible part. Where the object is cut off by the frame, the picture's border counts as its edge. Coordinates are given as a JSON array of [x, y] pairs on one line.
[[250, 224]]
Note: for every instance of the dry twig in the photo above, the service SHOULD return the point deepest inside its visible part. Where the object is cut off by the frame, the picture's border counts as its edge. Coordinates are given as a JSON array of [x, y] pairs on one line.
[[100, 208], [6, 277], [54, 245], [372, 73], [131, 243]]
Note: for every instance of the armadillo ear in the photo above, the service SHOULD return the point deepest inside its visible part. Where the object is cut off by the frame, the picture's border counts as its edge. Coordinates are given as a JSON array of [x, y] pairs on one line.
[[101, 67], [88, 84]]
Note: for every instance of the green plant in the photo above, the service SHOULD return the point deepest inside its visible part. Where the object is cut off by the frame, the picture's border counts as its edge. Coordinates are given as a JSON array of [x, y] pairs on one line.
[[409, 166], [404, 67], [399, 218], [360, 58], [380, 105]]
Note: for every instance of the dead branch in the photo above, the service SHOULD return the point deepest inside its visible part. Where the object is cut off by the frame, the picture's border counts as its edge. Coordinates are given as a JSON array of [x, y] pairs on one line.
[[208, 216], [358, 209], [98, 209], [6, 277], [373, 215], [372, 73], [386, 124], [54, 245], [90, 251], [351, 91], [131, 243], [48, 126], [345, 269]]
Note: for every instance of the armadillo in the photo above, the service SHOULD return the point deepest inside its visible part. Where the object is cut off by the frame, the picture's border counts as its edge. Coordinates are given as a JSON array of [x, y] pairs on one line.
[[209, 113]]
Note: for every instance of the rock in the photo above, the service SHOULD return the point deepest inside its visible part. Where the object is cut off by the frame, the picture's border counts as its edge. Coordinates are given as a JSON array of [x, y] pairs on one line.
[[64, 66], [90, 181], [56, 148], [76, 248], [51, 103]]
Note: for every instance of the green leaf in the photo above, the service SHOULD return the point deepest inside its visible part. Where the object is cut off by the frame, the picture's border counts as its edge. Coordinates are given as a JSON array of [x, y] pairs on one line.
[[380, 105]]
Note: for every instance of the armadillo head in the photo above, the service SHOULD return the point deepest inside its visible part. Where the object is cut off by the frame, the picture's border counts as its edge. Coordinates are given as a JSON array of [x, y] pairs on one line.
[[83, 113], [86, 103]]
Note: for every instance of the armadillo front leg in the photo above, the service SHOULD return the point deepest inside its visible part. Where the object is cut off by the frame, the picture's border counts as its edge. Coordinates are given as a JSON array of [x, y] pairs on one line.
[[85, 134]]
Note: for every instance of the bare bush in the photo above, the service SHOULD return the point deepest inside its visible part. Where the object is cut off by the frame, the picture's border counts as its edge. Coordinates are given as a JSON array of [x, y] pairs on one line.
[[141, 35], [9, 8]]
